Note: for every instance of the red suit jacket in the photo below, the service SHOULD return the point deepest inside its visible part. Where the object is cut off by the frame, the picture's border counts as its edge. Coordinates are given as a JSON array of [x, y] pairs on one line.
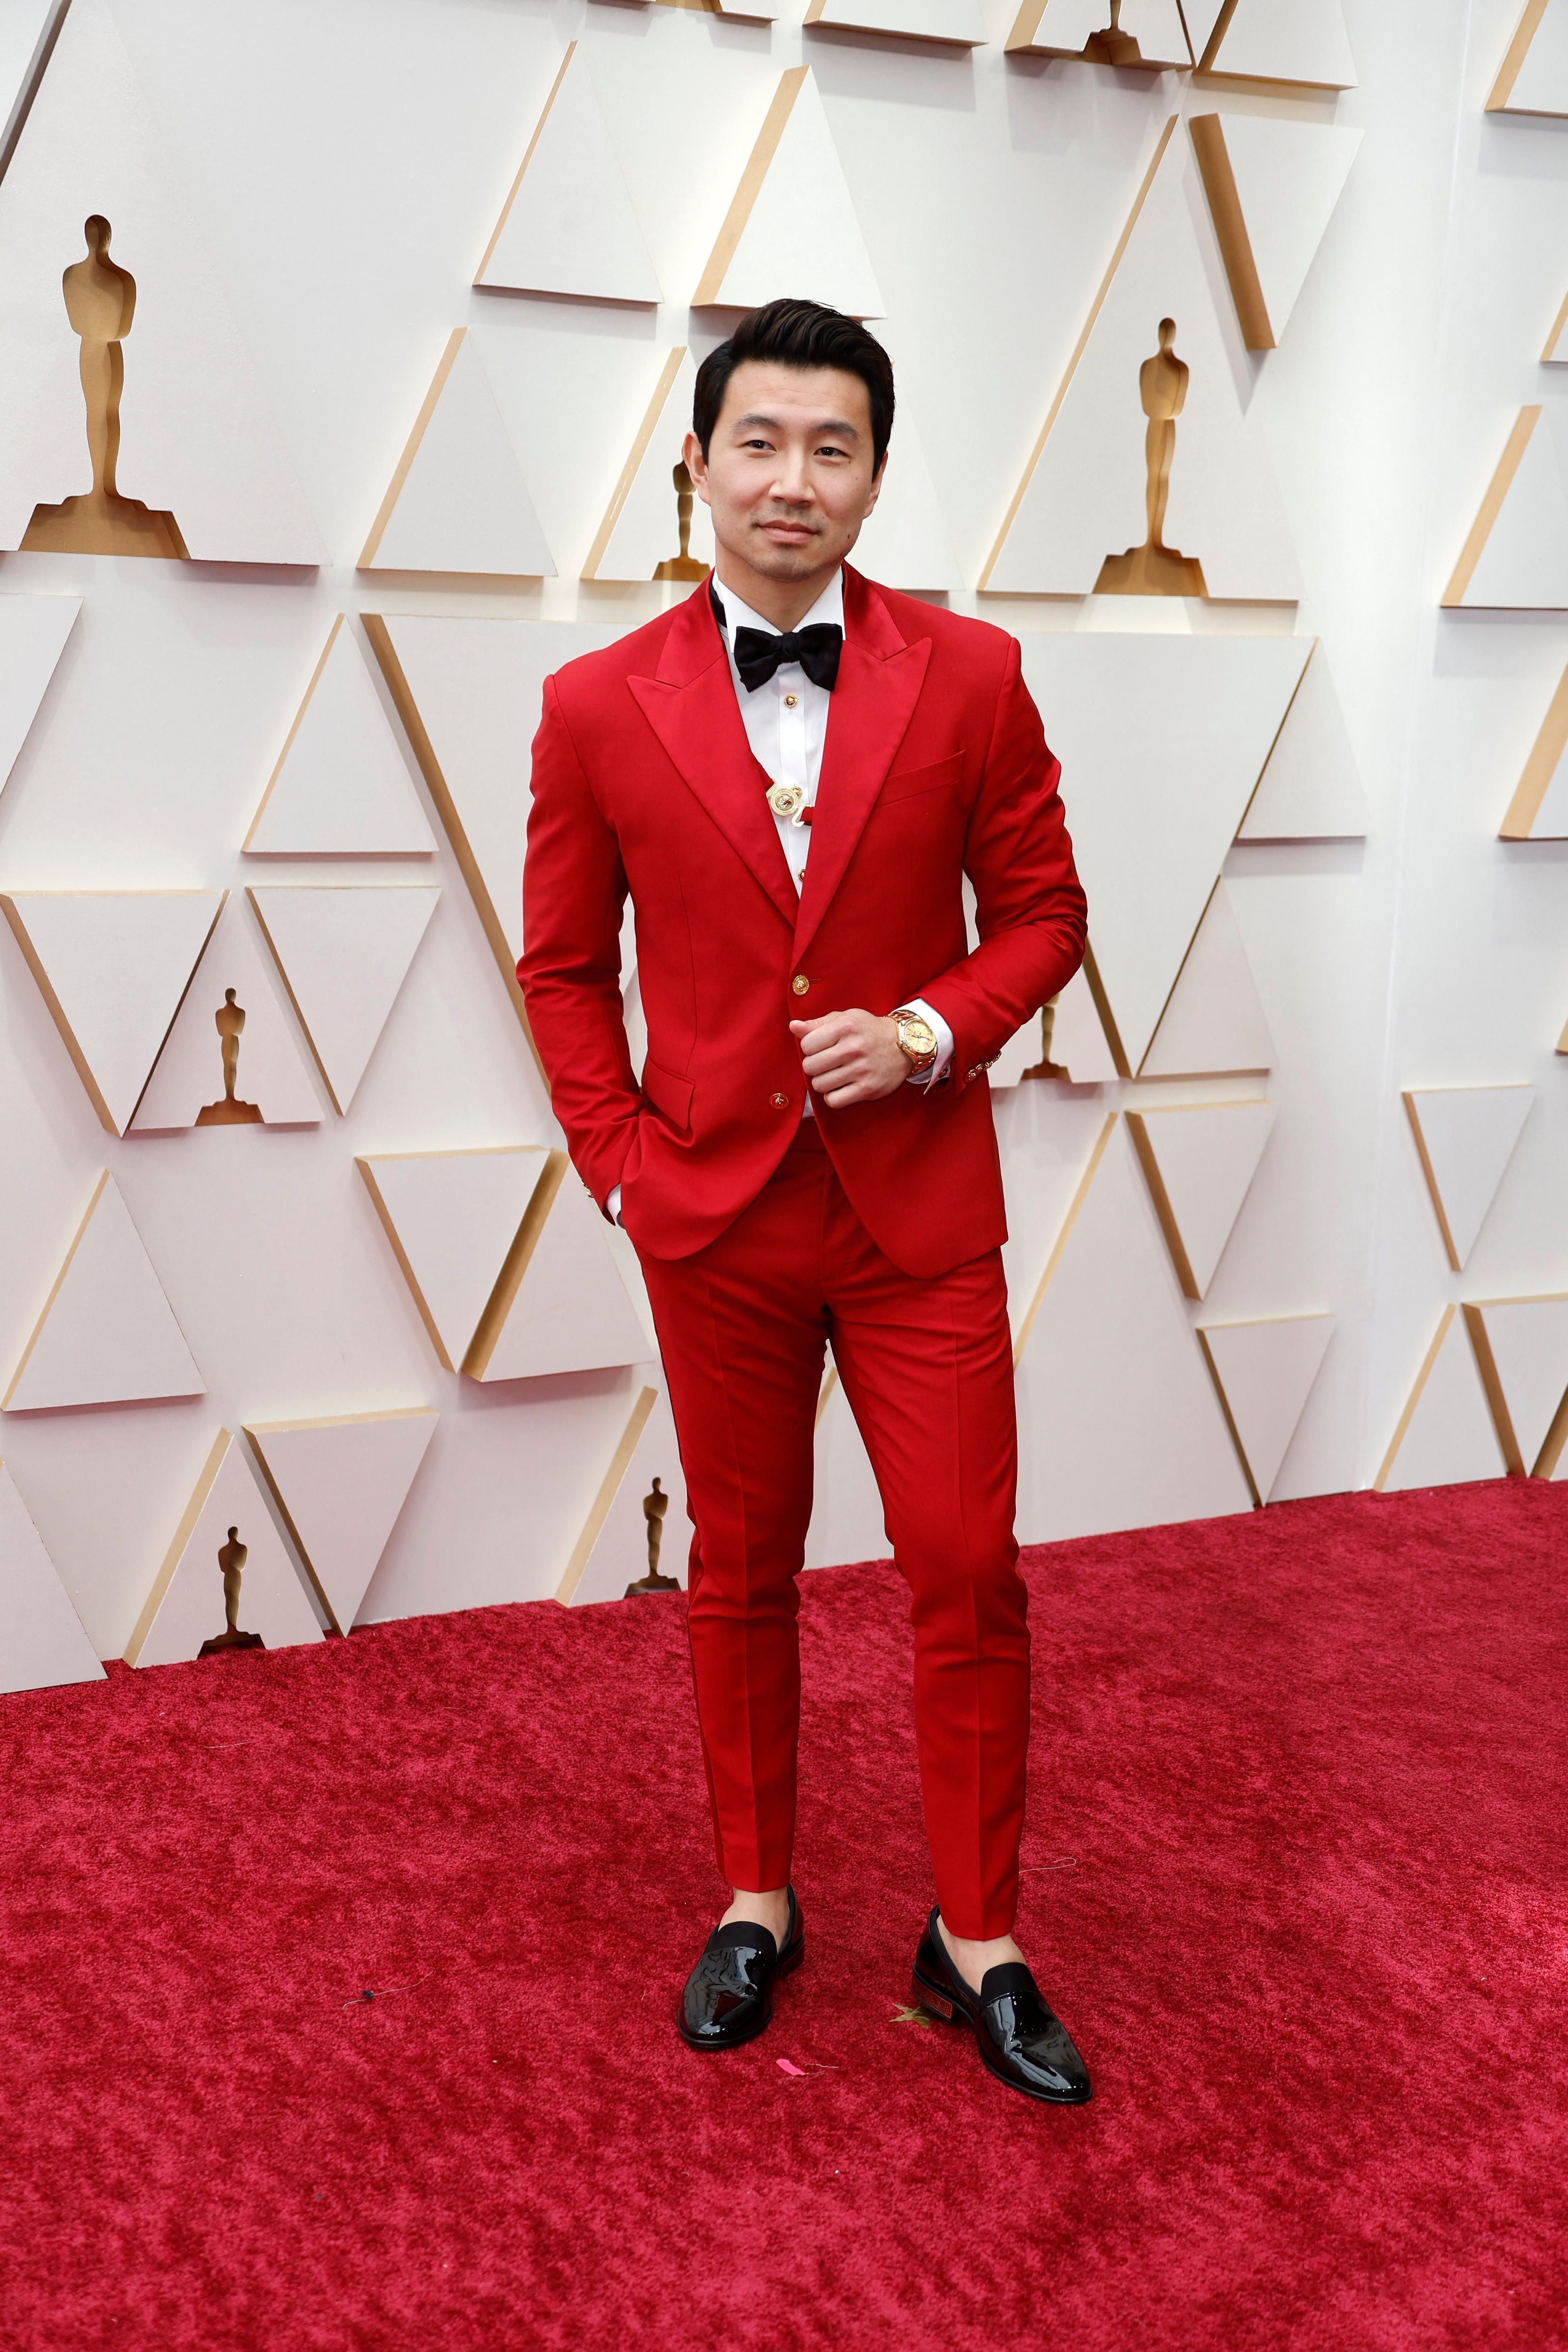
[[934, 765]]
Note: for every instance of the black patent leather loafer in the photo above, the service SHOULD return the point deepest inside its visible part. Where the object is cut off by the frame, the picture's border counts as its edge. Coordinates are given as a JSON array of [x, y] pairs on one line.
[[729, 1996], [1021, 2038]]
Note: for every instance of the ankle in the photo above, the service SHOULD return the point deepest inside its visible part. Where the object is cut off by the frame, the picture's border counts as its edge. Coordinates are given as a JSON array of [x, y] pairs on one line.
[[971, 1956], [769, 1909]]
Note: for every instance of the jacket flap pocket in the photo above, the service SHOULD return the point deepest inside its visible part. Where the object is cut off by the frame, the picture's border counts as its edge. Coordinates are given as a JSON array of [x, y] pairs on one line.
[[905, 783], [668, 1094]]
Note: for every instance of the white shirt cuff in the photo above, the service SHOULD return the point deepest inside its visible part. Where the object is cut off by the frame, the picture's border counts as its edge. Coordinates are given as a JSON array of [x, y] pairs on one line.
[[943, 1035], [613, 1205]]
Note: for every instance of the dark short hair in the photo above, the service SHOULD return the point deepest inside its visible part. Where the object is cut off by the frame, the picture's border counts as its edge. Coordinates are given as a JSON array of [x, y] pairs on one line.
[[798, 335]]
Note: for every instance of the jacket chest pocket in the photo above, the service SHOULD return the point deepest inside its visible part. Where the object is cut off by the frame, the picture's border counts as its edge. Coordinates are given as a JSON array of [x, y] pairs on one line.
[[913, 783]]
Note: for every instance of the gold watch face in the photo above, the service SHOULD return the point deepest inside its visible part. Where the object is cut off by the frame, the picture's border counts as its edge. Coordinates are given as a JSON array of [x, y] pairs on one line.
[[917, 1038]]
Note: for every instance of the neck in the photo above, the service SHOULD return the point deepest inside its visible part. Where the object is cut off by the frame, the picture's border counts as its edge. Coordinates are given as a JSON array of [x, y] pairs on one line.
[[785, 602]]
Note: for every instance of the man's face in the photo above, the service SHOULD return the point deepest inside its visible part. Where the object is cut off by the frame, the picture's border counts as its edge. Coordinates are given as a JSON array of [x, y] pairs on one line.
[[788, 472]]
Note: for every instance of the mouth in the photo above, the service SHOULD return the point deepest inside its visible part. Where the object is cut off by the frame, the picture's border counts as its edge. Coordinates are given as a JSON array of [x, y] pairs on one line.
[[787, 534]]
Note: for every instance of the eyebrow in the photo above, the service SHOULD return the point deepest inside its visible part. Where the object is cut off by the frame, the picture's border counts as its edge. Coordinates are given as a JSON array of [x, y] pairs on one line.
[[839, 424]]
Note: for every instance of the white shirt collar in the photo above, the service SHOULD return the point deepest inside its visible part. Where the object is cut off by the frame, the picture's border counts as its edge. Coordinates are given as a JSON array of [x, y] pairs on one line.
[[830, 606]]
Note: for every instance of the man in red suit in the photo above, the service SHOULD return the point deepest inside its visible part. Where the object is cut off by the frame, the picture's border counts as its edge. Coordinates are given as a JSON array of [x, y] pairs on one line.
[[791, 773]]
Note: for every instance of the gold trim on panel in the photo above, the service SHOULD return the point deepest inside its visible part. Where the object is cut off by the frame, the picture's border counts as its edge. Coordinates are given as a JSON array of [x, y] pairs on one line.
[[514, 1265], [299, 723], [1079, 348], [825, 1393], [1207, 1355], [1549, 350], [528, 158], [1230, 228], [1269, 755], [1508, 465], [752, 178], [1518, 50], [1545, 754], [183, 1534], [34, 1334], [1551, 1454], [644, 432], [1486, 1364], [609, 1486], [367, 1170], [1408, 1415], [1407, 1096], [1138, 1132], [380, 641], [1102, 1006], [1055, 1259], [411, 450]]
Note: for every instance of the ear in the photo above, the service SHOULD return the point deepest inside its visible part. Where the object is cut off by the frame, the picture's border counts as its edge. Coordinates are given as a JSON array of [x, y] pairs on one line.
[[697, 467], [877, 481]]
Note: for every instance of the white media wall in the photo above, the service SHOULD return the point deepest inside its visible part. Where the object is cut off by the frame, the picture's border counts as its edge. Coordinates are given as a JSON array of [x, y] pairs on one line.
[[1231, 1264]]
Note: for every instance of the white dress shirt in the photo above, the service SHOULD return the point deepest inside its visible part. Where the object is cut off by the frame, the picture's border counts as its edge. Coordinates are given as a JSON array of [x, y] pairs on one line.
[[786, 721]]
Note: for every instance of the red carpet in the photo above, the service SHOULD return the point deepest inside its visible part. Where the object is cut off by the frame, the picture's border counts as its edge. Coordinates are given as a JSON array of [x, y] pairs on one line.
[[1296, 1879]]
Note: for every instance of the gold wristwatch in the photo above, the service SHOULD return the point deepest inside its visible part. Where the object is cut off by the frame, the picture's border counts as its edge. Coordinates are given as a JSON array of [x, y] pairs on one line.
[[917, 1038]]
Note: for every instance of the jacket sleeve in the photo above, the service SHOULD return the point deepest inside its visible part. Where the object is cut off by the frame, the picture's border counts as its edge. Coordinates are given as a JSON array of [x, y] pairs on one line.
[[573, 892], [1031, 913]]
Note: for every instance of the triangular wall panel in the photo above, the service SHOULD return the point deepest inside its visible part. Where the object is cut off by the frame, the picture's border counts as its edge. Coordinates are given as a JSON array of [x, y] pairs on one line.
[[1533, 75], [1150, 33], [341, 788], [339, 1484], [107, 1334], [1272, 187], [906, 542], [568, 225], [457, 500], [612, 1547], [197, 437], [1465, 1137], [272, 1086], [1200, 1162], [185, 1607], [113, 966], [561, 1305], [1083, 498], [957, 23], [1312, 788], [1521, 1349], [502, 1255], [1136, 1436], [1446, 1435], [1215, 1024], [470, 694], [43, 1642], [1264, 1373], [792, 220], [1516, 556], [343, 954], [1302, 42], [1161, 739], [33, 632], [26, 27], [641, 526]]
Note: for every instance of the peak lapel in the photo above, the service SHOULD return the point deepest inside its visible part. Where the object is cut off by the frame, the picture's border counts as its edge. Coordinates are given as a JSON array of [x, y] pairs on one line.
[[879, 680], [690, 706]]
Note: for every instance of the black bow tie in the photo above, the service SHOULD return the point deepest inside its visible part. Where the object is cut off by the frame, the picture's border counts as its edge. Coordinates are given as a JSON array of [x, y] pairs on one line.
[[758, 653]]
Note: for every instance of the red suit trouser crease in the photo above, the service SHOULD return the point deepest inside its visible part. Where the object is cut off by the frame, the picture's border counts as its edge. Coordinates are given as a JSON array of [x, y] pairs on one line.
[[927, 1366]]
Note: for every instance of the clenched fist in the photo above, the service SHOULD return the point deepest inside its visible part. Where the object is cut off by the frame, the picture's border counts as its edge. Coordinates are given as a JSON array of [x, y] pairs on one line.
[[851, 1058]]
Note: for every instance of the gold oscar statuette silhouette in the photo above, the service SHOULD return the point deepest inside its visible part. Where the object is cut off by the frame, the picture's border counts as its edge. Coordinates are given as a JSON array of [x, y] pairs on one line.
[[228, 1111], [1154, 569], [231, 1561], [654, 1506], [685, 565], [1112, 46], [100, 298], [1045, 1067]]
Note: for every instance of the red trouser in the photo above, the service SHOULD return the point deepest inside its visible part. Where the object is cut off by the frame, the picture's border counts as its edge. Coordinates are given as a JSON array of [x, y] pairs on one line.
[[927, 1370]]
